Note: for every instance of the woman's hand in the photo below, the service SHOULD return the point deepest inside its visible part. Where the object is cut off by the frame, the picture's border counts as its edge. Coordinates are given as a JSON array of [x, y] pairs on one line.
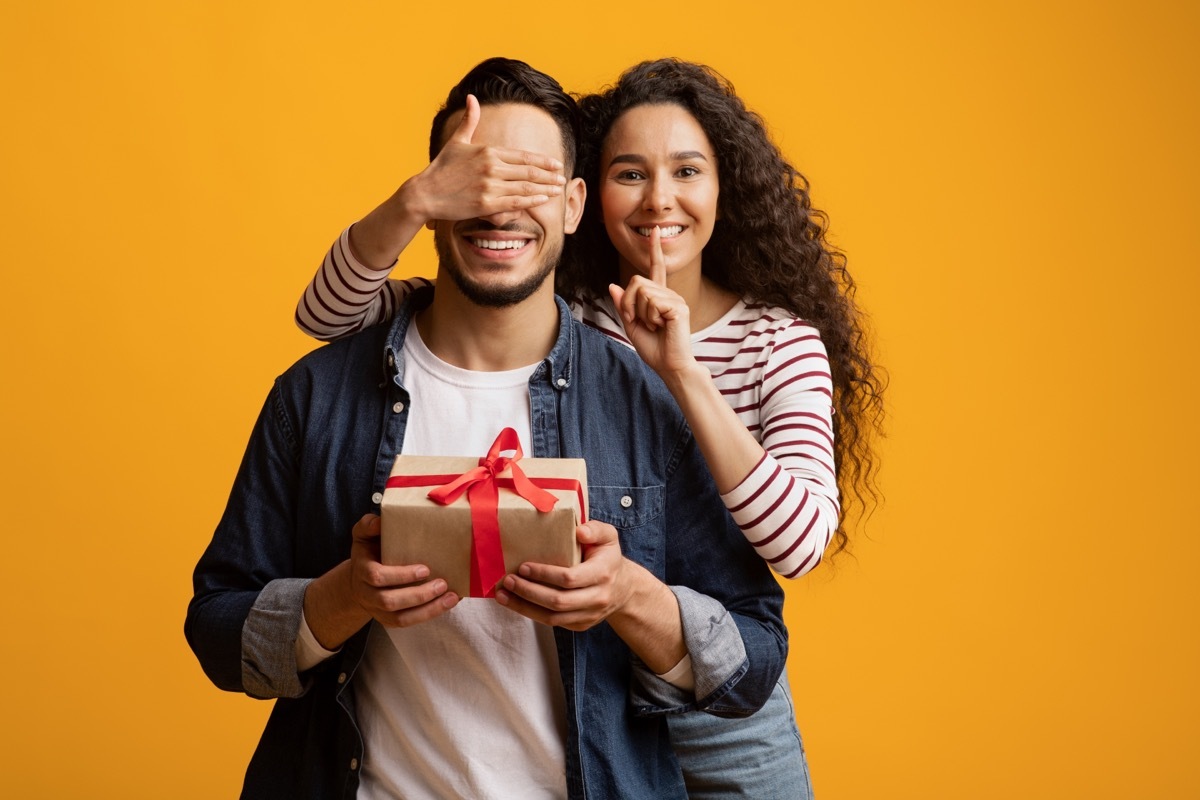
[[468, 180], [657, 320]]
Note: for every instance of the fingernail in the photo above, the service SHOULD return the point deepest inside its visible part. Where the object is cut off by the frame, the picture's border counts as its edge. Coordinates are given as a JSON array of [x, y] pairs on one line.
[[449, 600], [422, 572], [502, 598], [510, 582], [524, 570], [439, 585]]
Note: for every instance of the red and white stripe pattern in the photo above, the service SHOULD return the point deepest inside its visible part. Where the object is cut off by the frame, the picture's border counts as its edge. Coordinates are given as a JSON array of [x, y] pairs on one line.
[[773, 370], [345, 296], [769, 366]]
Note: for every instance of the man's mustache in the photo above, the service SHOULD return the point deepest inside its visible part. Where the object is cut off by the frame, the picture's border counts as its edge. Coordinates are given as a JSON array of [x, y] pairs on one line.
[[483, 226]]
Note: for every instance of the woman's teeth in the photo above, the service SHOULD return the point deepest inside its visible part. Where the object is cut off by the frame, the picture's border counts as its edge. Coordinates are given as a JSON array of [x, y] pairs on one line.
[[500, 244], [674, 230]]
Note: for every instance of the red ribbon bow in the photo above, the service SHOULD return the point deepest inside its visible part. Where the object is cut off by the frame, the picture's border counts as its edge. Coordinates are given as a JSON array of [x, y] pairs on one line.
[[482, 485]]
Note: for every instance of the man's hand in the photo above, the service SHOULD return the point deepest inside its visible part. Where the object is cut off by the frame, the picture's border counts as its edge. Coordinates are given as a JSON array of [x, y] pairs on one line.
[[341, 601], [575, 597], [657, 320], [641, 609], [468, 180], [390, 594]]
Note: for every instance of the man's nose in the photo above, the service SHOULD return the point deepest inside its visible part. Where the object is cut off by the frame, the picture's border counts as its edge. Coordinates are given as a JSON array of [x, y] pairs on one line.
[[502, 218]]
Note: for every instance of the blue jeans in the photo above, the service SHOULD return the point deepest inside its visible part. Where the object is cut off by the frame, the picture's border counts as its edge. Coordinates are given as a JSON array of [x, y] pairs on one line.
[[760, 756]]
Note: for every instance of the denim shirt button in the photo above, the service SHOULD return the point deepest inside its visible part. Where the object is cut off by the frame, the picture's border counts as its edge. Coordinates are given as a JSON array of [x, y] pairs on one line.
[[377, 498], [353, 764], [626, 501], [341, 677], [398, 407], [561, 382]]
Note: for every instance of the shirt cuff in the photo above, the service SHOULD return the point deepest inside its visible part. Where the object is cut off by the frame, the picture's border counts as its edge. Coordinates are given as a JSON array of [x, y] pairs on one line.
[[269, 640], [716, 655], [680, 676], [309, 651]]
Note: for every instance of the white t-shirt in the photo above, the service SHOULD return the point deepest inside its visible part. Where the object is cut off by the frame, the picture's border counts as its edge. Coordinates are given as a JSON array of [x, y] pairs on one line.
[[470, 704]]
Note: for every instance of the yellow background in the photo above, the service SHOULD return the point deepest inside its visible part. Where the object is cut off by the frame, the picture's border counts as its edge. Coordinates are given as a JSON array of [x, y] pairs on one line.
[[1015, 185]]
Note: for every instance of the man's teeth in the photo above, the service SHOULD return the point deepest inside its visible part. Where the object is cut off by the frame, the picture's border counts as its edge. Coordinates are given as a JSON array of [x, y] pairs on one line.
[[500, 244], [674, 230]]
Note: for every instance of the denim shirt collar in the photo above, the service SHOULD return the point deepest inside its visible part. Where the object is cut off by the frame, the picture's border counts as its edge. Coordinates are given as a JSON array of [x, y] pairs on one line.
[[556, 368]]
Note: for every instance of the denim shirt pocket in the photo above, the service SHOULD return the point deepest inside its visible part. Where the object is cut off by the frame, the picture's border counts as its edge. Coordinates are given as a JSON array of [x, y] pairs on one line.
[[637, 514]]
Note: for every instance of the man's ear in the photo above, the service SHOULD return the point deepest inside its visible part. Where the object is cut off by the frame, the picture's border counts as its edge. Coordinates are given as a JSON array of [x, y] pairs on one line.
[[575, 195]]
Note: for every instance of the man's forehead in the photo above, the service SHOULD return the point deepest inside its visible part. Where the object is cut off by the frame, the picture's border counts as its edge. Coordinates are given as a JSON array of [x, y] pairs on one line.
[[513, 125]]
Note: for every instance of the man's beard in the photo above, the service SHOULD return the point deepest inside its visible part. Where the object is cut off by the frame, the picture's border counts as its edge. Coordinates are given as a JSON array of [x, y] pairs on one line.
[[493, 296]]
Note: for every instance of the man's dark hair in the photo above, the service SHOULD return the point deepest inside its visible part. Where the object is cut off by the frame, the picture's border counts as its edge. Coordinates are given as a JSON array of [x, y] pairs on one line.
[[505, 80]]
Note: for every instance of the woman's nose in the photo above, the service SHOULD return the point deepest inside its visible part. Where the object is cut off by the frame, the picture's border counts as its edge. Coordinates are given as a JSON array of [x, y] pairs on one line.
[[658, 195]]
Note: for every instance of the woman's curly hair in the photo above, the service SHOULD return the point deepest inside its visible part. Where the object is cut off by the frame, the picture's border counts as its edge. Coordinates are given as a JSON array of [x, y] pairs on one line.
[[768, 245]]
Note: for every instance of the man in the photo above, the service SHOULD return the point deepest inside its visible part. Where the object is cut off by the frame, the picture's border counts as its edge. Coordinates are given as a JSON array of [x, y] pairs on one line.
[[388, 686]]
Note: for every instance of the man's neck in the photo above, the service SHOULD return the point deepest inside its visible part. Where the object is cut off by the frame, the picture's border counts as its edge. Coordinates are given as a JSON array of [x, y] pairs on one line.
[[486, 339]]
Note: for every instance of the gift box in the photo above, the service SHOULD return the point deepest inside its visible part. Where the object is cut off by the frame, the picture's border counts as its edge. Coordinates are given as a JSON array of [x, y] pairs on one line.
[[474, 520]]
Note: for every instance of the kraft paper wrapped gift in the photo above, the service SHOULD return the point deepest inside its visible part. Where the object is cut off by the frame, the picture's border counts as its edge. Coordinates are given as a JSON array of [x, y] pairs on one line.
[[480, 527]]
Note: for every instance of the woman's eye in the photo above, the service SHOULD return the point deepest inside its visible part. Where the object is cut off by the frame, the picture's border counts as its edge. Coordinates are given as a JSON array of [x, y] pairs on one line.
[[688, 172], [629, 175]]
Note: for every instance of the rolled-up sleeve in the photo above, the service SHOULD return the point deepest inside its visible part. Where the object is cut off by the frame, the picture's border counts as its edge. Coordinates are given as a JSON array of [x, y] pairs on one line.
[[730, 605], [714, 645], [244, 614]]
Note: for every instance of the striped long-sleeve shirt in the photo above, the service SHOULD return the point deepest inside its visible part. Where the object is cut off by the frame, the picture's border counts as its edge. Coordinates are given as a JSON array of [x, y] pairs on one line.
[[770, 367]]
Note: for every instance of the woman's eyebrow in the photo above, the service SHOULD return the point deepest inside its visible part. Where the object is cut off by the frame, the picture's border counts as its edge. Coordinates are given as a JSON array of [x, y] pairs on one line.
[[682, 155]]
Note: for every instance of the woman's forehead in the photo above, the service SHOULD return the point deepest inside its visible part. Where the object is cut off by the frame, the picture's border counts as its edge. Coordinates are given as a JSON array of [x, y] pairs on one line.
[[658, 129]]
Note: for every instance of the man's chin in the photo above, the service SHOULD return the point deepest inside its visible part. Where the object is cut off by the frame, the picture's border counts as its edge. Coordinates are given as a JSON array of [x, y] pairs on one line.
[[498, 295]]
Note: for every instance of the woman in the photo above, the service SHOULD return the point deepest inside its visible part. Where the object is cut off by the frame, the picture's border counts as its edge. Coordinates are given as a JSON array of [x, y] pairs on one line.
[[704, 253]]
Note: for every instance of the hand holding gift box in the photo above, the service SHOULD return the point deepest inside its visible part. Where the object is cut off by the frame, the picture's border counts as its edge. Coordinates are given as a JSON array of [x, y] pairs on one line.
[[471, 521]]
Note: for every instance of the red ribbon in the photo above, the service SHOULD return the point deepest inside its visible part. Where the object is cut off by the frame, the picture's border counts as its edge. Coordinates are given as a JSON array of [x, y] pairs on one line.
[[482, 485]]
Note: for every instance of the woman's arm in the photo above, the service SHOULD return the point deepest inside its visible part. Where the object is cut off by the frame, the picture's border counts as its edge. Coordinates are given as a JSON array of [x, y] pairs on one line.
[[346, 296], [782, 492], [787, 505]]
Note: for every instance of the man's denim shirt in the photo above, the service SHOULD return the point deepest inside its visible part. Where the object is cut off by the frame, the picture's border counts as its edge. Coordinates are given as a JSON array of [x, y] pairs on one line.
[[317, 460]]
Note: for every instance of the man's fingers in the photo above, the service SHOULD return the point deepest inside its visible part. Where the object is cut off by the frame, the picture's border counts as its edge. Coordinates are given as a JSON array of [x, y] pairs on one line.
[[595, 532], [366, 528], [468, 123], [409, 614], [658, 263], [558, 577], [577, 611]]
